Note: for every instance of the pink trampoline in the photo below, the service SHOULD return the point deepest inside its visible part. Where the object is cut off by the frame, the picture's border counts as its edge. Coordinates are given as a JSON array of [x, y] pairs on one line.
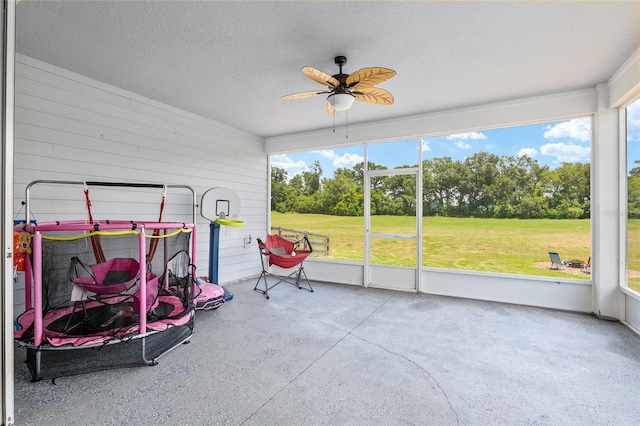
[[95, 283]]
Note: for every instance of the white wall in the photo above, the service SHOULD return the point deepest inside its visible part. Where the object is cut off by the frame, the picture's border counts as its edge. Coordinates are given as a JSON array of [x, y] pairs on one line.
[[631, 308], [69, 127], [565, 294]]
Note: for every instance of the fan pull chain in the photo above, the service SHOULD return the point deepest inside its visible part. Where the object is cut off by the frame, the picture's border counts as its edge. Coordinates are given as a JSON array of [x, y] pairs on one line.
[[346, 132], [334, 122]]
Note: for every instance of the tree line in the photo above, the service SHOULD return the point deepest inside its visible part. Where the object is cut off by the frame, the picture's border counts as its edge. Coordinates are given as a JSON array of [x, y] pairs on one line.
[[482, 185], [633, 191]]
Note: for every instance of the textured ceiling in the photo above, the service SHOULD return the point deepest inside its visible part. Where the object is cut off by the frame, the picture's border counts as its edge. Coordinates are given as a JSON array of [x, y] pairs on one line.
[[231, 61]]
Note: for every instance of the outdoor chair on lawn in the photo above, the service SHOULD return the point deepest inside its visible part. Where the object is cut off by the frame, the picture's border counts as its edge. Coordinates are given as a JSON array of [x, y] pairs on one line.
[[556, 262], [285, 254]]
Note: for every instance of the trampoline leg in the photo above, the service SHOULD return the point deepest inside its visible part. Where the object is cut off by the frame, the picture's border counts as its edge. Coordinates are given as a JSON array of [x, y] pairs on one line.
[[34, 359], [183, 340], [151, 362], [38, 365]]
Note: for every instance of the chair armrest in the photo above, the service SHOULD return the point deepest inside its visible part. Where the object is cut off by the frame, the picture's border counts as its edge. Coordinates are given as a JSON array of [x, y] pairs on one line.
[[307, 243]]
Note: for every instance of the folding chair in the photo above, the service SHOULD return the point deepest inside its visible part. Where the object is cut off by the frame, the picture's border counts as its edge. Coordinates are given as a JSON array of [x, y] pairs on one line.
[[285, 254], [556, 262], [101, 281]]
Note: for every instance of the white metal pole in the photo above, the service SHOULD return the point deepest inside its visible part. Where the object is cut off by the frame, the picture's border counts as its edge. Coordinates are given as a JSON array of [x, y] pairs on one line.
[[6, 293], [366, 182], [419, 243]]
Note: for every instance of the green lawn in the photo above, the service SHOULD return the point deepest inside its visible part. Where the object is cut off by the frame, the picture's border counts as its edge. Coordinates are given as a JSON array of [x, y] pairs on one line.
[[492, 245], [633, 255], [516, 246]]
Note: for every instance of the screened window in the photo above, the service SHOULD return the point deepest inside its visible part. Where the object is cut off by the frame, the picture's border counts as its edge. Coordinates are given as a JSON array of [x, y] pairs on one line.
[[492, 200], [501, 200], [633, 195], [320, 193]]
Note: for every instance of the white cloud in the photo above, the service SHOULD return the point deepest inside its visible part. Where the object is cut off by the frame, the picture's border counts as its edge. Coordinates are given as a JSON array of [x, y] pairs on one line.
[[470, 135], [327, 153], [566, 152], [292, 168], [529, 152], [579, 128], [462, 145], [348, 160], [425, 146]]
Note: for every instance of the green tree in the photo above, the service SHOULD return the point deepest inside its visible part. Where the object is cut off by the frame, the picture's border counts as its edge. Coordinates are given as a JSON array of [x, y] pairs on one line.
[[636, 170], [478, 177], [569, 185], [633, 189], [278, 186], [358, 173], [531, 207], [483, 185], [312, 178], [441, 183], [349, 203], [401, 189], [519, 178], [342, 195]]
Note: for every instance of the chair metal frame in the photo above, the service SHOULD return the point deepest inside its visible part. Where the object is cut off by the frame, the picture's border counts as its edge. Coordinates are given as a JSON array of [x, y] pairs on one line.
[[97, 286], [269, 258]]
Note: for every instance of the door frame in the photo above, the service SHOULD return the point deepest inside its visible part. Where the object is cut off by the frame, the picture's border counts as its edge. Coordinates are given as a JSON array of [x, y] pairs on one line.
[[368, 174], [7, 29]]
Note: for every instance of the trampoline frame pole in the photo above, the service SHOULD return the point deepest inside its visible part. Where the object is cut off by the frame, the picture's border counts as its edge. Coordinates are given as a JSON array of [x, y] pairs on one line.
[[142, 255], [37, 289], [28, 282]]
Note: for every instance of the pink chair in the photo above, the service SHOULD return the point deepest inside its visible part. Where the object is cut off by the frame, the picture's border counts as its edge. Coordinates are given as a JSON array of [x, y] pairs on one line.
[[108, 279]]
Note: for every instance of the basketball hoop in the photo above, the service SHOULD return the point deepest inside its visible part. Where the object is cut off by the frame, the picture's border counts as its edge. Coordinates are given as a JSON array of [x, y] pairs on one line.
[[230, 222], [230, 226], [221, 207]]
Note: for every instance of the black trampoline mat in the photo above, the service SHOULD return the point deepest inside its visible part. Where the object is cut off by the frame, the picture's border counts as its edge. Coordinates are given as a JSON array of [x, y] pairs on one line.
[[85, 322]]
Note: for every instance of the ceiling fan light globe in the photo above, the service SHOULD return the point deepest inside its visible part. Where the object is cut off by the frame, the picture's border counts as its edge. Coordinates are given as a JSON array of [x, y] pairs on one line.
[[341, 101]]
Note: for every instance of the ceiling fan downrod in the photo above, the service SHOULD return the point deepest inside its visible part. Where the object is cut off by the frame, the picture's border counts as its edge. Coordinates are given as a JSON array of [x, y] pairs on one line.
[[340, 61]]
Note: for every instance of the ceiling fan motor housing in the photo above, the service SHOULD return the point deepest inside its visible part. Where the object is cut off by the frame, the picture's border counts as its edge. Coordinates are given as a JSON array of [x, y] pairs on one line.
[[342, 78]]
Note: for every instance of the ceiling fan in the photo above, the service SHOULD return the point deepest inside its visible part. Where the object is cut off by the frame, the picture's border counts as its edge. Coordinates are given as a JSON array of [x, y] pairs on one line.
[[344, 89]]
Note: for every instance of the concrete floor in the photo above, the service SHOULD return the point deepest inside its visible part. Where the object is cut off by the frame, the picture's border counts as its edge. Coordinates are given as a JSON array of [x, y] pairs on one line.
[[351, 356]]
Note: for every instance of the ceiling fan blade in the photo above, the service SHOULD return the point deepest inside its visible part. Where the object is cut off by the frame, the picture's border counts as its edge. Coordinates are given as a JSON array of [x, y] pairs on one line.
[[367, 77], [320, 77], [305, 94], [373, 95], [330, 109]]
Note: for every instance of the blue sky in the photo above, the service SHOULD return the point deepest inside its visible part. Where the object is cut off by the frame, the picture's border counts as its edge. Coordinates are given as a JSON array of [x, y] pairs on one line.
[[549, 143], [633, 134]]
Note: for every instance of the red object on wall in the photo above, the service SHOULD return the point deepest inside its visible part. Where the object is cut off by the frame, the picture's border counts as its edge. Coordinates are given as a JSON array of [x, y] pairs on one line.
[[18, 253]]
